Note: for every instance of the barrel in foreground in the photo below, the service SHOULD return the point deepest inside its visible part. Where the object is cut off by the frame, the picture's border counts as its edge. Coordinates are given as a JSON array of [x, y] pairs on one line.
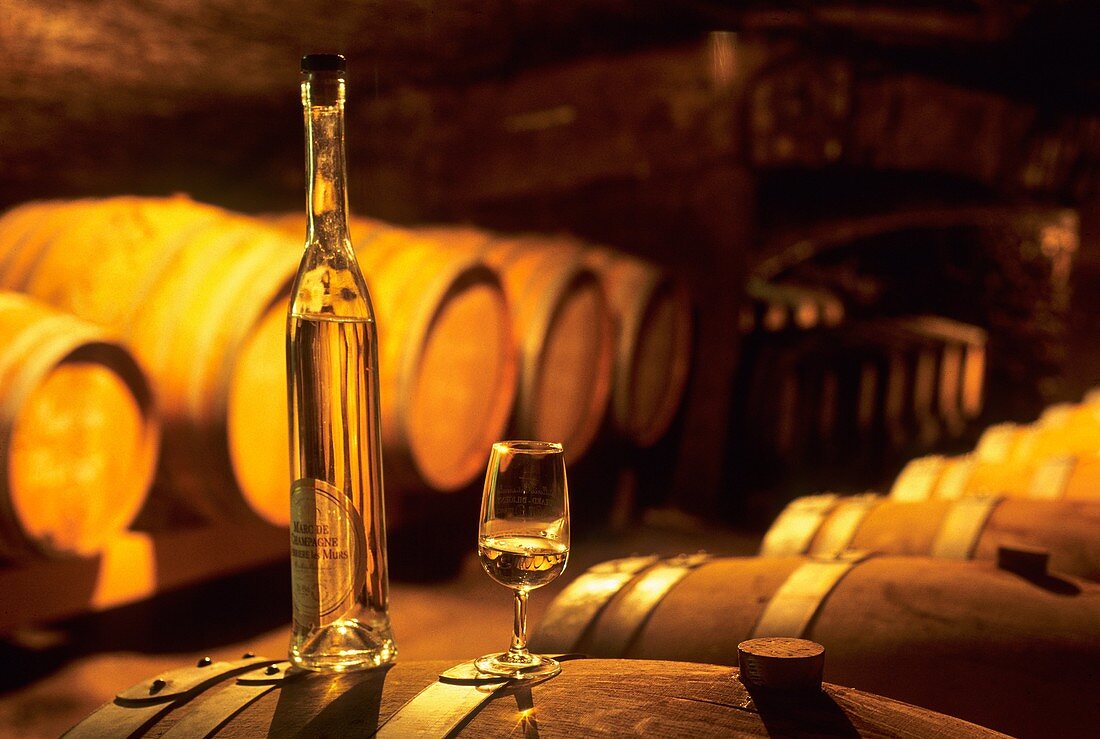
[[591, 697], [963, 638]]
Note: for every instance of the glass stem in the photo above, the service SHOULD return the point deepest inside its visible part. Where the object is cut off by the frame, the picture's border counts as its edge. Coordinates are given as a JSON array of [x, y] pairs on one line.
[[519, 627]]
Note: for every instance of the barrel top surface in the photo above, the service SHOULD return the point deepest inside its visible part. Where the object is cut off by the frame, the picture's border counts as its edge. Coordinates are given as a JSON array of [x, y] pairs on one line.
[[591, 697]]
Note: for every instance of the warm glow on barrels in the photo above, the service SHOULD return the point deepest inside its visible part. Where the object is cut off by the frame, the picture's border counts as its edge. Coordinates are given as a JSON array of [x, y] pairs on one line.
[[563, 331], [82, 440], [1063, 430], [447, 367], [259, 442], [1072, 478], [183, 284], [1051, 459], [447, 370], [560, 334]]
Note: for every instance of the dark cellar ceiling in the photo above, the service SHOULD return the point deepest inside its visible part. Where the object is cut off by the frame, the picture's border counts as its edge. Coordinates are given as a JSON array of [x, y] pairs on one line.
[[96, 91], [79, 56]]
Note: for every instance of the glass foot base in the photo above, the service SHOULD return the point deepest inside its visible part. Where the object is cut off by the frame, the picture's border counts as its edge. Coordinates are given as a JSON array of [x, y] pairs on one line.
[[345, 645], [518, 667]]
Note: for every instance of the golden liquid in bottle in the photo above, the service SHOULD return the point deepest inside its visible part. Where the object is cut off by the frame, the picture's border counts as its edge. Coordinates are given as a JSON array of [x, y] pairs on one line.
[[338, 549], [522, 562]]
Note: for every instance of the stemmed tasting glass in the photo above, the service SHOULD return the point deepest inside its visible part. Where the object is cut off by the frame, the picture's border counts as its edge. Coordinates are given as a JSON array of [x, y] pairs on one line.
[[523, 540]]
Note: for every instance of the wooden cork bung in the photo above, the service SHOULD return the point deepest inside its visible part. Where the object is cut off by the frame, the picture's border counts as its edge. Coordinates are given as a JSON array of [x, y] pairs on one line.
[[781, 663]]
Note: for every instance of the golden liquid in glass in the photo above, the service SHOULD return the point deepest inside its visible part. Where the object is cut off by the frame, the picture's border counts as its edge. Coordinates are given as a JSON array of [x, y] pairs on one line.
[[522, 562]]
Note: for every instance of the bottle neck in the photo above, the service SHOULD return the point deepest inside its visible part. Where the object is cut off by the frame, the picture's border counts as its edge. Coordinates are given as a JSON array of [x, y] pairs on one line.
[[326, 164]]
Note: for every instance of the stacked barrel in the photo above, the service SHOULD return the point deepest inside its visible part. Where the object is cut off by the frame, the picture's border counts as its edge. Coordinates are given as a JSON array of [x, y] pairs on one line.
[[601, 340], [824, 393], [78, 430], [481, 337], [1053, 458], [982, 604]]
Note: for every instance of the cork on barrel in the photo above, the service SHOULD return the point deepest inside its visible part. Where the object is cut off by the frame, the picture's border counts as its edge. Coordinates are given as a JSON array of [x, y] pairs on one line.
[[1029, 562], [781, 663]]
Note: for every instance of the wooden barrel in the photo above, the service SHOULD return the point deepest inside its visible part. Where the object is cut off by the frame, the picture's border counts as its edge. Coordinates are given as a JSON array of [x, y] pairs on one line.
[[843, 400], [1050, 458], [564, 336], [1069, 477], [776, 306], [1074, 477], [185, 285], [590, 697], [652, 326], [1037, 460], [1063, 428], [967, 528], [652, 313], [22, 229], [1072, 432], [1013, 653], [1007, 455], [447, 370], [77, 429]]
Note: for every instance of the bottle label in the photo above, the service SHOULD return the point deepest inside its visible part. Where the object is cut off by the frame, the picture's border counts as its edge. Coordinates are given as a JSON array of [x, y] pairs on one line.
[[327, 552]]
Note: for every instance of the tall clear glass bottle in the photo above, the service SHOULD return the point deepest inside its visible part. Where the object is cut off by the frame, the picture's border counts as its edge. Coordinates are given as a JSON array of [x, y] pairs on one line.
[[338, 531]]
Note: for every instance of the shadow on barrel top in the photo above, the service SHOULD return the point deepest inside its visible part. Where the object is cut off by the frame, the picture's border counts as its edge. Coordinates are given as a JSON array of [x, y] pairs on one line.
[[811, 712], [1050, 583], [351, 703]]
